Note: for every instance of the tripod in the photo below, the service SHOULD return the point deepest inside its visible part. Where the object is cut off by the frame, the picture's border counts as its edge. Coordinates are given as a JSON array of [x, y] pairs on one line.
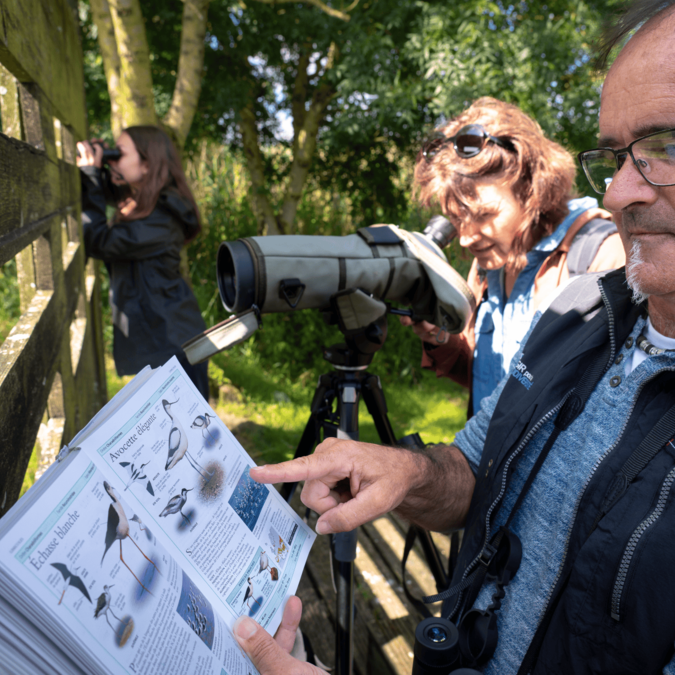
[[345, 385]]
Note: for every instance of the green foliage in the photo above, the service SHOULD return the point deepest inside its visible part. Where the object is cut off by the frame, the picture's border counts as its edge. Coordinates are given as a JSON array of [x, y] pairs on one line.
[[270, 416], [29, 478], [535, 54], [401, 67], [9, 299]]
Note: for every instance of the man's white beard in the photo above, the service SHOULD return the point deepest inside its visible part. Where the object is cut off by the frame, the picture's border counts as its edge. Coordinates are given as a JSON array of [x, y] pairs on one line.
[[633, 264]]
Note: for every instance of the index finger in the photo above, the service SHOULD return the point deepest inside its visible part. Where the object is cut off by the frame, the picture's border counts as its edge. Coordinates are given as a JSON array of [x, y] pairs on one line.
[[314, 467]]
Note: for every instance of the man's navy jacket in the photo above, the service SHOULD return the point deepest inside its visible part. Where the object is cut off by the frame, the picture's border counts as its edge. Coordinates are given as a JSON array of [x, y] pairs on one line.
[[582, 631]]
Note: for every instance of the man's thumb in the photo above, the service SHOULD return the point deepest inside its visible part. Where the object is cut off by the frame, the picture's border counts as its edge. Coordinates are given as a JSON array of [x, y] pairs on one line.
[[262, 649]]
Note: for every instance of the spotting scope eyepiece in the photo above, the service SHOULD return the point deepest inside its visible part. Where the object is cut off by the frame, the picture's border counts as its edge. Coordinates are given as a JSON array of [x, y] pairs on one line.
[[440, 230], [285, 273]]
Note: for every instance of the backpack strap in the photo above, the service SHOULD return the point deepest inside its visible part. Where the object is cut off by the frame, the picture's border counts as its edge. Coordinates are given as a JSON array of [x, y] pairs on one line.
[[586, 243]]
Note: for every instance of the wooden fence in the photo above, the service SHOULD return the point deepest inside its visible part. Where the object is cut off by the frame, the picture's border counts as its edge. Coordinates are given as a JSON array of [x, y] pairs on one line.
[[52, 375]]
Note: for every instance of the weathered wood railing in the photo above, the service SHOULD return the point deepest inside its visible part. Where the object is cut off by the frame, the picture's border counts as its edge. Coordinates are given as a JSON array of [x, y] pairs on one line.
[[52, 375]]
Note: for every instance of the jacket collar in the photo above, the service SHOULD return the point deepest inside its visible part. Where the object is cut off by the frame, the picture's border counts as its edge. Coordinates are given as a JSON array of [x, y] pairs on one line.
[[618, 298]]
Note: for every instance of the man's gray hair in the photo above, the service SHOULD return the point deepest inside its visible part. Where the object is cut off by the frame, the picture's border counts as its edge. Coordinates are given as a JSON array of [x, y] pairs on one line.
[[634, 15]]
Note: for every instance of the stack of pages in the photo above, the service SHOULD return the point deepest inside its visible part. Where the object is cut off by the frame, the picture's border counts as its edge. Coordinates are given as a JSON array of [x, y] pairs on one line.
[[139, 548]]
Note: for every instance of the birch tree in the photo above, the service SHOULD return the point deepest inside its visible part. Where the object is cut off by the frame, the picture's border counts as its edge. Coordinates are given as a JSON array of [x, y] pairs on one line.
[[126, 61]]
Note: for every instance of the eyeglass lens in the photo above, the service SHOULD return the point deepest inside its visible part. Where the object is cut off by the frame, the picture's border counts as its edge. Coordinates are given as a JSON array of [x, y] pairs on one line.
[[469, 141], [654, 156]]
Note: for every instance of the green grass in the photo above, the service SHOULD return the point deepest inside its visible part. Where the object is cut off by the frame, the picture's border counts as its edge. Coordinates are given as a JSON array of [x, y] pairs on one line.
[[29, 478], [270, 428]]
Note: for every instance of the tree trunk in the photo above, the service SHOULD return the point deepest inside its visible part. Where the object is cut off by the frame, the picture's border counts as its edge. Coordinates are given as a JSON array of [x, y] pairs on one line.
[[306, 125], [306, 128], [267, 222], [100, 11], [335, 13], [190, 64], [137, 103]]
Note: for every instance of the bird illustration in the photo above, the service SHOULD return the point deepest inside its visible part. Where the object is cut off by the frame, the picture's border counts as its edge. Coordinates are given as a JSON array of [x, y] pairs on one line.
[[141, 525], [71, 579], [118, 529], [249, 595], [103, 606], [175, 505], [281, 550], [178, 445], [137, 473], [203, 422], [264, 562]]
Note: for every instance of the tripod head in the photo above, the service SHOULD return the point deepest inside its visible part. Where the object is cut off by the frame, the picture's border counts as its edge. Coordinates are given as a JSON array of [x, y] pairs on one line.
[[362, 319]]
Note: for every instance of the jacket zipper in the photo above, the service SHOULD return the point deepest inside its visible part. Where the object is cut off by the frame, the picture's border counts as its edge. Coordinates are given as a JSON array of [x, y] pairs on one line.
[[633, 542], [588, 480], [612, 339], [502, 490], [527, 439], [610, 314]]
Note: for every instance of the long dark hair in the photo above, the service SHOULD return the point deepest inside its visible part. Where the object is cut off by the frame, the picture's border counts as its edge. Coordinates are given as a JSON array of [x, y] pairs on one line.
[[164, 173]]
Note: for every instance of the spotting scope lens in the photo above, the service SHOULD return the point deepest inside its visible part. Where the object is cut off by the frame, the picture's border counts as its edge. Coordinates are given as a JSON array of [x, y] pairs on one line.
[[235, 271], [436, 647], [440, 230]]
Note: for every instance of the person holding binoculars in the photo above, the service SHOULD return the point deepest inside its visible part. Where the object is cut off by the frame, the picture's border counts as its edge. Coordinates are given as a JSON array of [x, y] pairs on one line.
[[508, 191], [154, 311]]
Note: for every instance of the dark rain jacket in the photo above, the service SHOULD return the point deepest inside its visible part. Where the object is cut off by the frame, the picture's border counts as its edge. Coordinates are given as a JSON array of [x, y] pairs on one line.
[[154, 311], [611, 612]]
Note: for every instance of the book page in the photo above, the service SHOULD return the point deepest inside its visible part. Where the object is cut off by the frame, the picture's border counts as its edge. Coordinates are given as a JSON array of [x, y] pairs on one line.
[[91, 576], [169, 455]]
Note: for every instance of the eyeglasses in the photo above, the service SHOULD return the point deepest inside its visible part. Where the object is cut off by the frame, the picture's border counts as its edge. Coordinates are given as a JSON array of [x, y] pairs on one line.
[[467, 142], [653, 156]]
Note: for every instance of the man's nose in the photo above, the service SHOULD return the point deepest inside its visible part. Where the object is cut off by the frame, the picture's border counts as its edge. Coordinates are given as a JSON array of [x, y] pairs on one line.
[[628, 188]]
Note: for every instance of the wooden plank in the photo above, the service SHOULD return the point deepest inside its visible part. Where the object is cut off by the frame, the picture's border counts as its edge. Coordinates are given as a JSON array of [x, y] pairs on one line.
[[39, 42], [316, 622], [53, 359], [99, 394], [33, 190], [10, 112], [42, 120], [25, 273], [74, 273], [389, 542], [30, 116], [28, 361]]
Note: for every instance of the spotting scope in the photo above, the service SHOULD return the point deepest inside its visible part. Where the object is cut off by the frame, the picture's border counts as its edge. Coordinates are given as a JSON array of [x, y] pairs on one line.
[[383, 262]]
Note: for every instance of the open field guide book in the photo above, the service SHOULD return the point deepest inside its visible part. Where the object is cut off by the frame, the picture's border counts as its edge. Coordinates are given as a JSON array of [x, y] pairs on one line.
[[141, 545]]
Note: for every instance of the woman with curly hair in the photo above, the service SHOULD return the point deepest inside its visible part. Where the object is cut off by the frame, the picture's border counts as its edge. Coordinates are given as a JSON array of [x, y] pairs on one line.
[[509, 192]]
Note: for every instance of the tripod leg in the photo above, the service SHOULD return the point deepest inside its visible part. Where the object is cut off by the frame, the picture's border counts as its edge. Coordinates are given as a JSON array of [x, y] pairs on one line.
[[373, 395], [311, 436], [343, 546], [308, 441]]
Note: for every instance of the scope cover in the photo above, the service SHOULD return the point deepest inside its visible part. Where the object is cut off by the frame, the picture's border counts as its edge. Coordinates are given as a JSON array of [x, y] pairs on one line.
[[391, 264]]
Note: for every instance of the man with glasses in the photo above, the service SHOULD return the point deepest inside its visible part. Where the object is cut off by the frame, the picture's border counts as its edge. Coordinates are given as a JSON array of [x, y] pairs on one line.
[[576, 468]]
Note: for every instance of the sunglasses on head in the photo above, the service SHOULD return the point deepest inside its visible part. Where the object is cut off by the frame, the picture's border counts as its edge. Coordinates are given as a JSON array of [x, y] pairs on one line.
[[467, 142]]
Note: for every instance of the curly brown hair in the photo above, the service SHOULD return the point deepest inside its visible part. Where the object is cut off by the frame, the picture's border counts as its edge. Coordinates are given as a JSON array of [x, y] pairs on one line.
[[540, 173]]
